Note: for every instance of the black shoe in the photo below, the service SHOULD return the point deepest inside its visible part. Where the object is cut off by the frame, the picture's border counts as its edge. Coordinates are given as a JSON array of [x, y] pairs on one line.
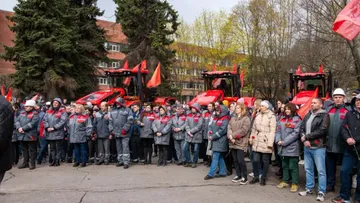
[[32, 166], [229, 173], [23, 166], [205, 163], [62, 160], [76, 164], [99, 163], [208, 177], [126, 166], [57, 163], [52, 163], [69, 161], [254, 181], [118, 164], [179, 164], [39, 162], [330, 189], [262, 182], [83, 165]]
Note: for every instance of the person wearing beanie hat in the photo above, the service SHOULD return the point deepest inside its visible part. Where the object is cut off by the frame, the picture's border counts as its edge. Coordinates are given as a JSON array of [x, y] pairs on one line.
[[262, 140], [337, 110], [355, 93], [120, 122], [162, 128], [26, 127], [178, 129], [194, 128]]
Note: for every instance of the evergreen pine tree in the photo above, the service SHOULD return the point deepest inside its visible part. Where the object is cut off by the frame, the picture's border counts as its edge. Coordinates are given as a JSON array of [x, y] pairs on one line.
[[150, 26]]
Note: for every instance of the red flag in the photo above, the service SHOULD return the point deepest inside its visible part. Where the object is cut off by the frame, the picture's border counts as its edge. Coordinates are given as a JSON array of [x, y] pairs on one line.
[[216, 82], [35, 98], [155, 78], [347, 23], [9, 95], [307, 106], [143, 65], [242, 77], [235, 69], [298, 71], [321, 69], [2, 90], [214, 68], [126, 65], [127, 81]]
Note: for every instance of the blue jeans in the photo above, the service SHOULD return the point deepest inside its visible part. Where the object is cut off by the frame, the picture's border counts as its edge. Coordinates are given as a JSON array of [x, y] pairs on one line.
[[316, 156], [187, 153], [349, 160], [43, 149], [81, 152], [252, 161], [217, 159]]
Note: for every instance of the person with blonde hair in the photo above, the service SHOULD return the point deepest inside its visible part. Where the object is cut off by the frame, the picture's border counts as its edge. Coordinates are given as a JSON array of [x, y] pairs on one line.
[[80, 129], [237, 133]]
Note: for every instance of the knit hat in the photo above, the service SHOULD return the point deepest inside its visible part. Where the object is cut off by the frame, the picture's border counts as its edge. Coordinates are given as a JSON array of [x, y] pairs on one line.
[[265, 103]]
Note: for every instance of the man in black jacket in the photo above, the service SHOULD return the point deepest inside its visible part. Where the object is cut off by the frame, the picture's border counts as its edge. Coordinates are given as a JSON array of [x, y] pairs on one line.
[[350, 131], [6, 131], [313, 134]]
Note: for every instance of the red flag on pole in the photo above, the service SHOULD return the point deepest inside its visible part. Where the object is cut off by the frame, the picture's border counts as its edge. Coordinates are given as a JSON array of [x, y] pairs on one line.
[[235, 69], [2, 90], [155, 78], [127, 81], [242, 77], [298, 71], [214, 68], [143, 65], [347, 23], [126, 65], [9, 95], [307, 106], [321, 69]]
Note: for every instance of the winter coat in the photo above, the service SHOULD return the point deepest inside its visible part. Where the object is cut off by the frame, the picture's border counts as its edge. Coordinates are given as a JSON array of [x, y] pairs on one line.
[[194, 125], [218, 131], [319, 129], [208, 116], [6, 132], [162, 124], [57, 120], [146, 130], [238, 129], [120, 122], [288, 132], [80, 128], [28, 121], [179, 122], [263, 132], [335, 142], [101, 125], [351, 129]]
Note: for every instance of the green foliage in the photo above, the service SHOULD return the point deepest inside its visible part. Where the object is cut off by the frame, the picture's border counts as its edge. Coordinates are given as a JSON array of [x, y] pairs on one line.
[[150, 27], [57, 46]]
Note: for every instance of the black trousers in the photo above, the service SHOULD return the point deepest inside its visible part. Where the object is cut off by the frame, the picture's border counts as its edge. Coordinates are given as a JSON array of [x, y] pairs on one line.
[[29, 152], [113, 151], [15, 152], [239, 162], [163, 150], [261, 158], [228, 161], [55, 149], [147, 144], [136, 147], [202, 150], [92, 147], [70, 150], [171, 148]]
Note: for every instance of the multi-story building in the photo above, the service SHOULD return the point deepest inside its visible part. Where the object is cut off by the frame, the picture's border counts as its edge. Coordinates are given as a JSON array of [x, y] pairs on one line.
[[190, 62]]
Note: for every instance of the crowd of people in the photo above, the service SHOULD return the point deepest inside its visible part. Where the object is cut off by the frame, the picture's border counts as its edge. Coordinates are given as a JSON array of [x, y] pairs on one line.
[[222, 135]]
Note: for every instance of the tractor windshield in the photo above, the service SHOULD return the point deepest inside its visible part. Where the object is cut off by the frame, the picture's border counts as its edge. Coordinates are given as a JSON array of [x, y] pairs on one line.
[[310, 84], [224, 83]]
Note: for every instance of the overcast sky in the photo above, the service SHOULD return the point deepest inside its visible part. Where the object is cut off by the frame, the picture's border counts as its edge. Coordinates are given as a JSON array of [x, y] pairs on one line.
[[188, 9]]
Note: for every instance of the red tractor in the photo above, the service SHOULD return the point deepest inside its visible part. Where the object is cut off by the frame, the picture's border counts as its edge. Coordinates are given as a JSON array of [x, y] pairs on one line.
[[133, 92], [303, 85], [221, 85]]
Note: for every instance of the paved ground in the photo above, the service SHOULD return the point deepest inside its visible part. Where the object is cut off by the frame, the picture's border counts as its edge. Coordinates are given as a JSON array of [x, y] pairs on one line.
[[138, 184]]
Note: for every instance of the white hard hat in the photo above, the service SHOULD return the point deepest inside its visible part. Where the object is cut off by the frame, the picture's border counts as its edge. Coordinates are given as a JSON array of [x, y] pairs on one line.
[[339, 91], [31, 103], [48, 103]]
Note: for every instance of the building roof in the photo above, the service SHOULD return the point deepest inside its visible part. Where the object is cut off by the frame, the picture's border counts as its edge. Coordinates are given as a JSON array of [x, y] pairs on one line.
[[6, 39], [113, 31]]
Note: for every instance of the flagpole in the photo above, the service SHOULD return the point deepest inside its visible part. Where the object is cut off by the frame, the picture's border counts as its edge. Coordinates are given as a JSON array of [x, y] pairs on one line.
[[141, 96]]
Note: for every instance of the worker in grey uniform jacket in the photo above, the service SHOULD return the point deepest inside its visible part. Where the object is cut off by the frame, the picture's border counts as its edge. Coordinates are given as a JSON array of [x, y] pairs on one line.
[[178, 129], [119, 125], [194, 134], [102, 134]]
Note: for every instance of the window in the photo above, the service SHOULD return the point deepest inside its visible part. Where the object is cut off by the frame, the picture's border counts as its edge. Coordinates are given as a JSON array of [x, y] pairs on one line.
[[185, 85], [102, 64], [114, 64], [115, 47], [102, 81]]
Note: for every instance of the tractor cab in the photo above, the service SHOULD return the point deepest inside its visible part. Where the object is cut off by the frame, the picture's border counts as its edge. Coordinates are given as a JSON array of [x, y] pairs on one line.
[[303, 86]]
